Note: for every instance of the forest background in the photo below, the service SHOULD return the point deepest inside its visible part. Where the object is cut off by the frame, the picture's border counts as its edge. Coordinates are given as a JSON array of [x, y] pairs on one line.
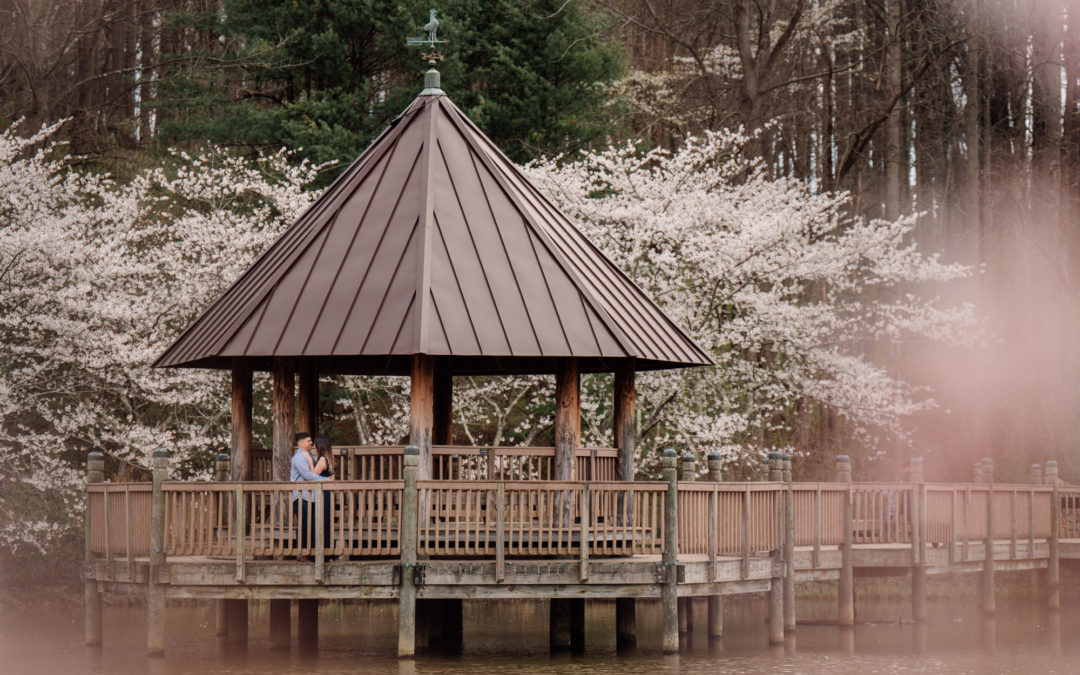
[[960, 116]]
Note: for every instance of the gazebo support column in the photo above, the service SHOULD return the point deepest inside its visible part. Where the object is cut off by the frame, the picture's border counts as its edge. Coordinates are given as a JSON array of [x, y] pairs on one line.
[[236, 611], [284, 416], [567, 439], [422, 411], [440, 623], [240, 460], [625, 397], [307, 419], [307, 402]]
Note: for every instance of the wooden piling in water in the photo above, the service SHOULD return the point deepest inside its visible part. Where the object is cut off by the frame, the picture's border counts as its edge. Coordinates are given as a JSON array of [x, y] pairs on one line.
[[776, 584], [1053, 565], [789, 547], [918, 544], [95, 473], [845, 609], [624, 403], [670, 589], [560, 638], [577, 625], [715, 602], [221, 619], [283, 411], [410, 503], [987, 600], [155, 589], [687, 472], [307, 623]]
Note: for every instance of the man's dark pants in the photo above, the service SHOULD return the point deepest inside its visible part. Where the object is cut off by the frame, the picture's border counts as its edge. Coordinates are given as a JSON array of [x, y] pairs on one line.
[[302, 509]]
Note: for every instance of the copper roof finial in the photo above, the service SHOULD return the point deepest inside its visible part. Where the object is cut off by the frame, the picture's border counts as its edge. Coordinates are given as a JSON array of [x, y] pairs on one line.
[[431, 77]]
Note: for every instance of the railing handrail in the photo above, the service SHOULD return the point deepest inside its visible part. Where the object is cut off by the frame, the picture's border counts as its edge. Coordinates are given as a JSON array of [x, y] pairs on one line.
[[906, 513]]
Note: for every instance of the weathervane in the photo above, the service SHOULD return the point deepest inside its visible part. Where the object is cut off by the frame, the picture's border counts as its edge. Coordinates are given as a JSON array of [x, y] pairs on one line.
[[432, 27]]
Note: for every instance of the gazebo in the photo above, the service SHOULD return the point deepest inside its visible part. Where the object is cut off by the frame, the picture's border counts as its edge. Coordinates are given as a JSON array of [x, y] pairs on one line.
[[431, 256]]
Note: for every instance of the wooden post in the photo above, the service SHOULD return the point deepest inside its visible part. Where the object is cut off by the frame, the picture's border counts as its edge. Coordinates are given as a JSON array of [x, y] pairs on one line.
[[284, 420], [624, 411], [155, 589], [1038, 577], [625, 397], [446, 615], [1050, 476], [567, 439], [625, 623], [560, 638], [989, 604], [307, 619], [284, 416], [1035, 474], [776, 584], [95, 473], [845, 611], [670, 589], [240, 461], [1053, 565], [422, 411], [221, 474], [567, 417], [918, 546], [687, 471], [307, 402], [442, 403], [240, 468], [410, 503], [715, 602], [577, 625], [789, 548]]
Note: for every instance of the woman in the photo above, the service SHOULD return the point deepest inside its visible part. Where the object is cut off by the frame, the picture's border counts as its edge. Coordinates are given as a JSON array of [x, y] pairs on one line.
[[322, 463]]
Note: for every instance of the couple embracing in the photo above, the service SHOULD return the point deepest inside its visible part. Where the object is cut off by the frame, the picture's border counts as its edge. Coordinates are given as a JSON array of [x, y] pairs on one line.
[[311, 462]]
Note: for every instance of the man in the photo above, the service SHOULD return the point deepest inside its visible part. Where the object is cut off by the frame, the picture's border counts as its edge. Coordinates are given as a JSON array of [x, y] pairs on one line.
[[303, 500]]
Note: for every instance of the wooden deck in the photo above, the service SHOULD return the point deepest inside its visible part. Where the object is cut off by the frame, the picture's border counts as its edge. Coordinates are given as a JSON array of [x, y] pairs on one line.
[[564, 540]]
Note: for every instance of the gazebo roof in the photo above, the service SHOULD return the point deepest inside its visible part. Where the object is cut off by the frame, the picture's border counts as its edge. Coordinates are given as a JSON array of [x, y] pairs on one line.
[[432, 242]]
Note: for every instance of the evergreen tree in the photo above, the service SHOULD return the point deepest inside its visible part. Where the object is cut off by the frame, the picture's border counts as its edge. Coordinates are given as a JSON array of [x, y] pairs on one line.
[[327, 75]]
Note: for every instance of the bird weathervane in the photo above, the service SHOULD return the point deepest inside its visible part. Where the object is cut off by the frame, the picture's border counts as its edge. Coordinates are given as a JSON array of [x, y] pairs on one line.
[[432, 27]]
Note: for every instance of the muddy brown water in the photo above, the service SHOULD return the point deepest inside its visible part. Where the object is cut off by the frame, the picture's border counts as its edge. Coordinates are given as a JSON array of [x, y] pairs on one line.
[[504, 637]]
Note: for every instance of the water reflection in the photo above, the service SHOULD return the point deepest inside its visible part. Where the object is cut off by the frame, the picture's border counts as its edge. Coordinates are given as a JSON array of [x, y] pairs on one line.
[[989, 634], [846, 639], [1053, 628], [921, 635], [504, 637]]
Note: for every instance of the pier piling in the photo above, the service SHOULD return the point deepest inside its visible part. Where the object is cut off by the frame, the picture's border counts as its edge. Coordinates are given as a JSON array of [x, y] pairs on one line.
[[845, 610], [95, 473], [410, 503], [670, 559], [918, 545], [1053, 565], [715, 602], [987, 600], [789, 546], [155, 589]]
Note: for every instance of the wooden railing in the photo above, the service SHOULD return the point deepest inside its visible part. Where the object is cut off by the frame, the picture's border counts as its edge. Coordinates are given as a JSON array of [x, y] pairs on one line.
[[528, 519], [713, 517], [458, 462], [539, 519], [120, 520]]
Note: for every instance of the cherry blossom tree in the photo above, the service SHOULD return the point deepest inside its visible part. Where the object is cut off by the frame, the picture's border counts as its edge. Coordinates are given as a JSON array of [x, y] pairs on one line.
[[98, 277], [789, 294], [96, 280]]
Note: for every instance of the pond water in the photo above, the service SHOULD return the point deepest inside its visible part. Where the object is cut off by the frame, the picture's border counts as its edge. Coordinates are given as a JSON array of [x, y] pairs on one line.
[[505, 637]]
